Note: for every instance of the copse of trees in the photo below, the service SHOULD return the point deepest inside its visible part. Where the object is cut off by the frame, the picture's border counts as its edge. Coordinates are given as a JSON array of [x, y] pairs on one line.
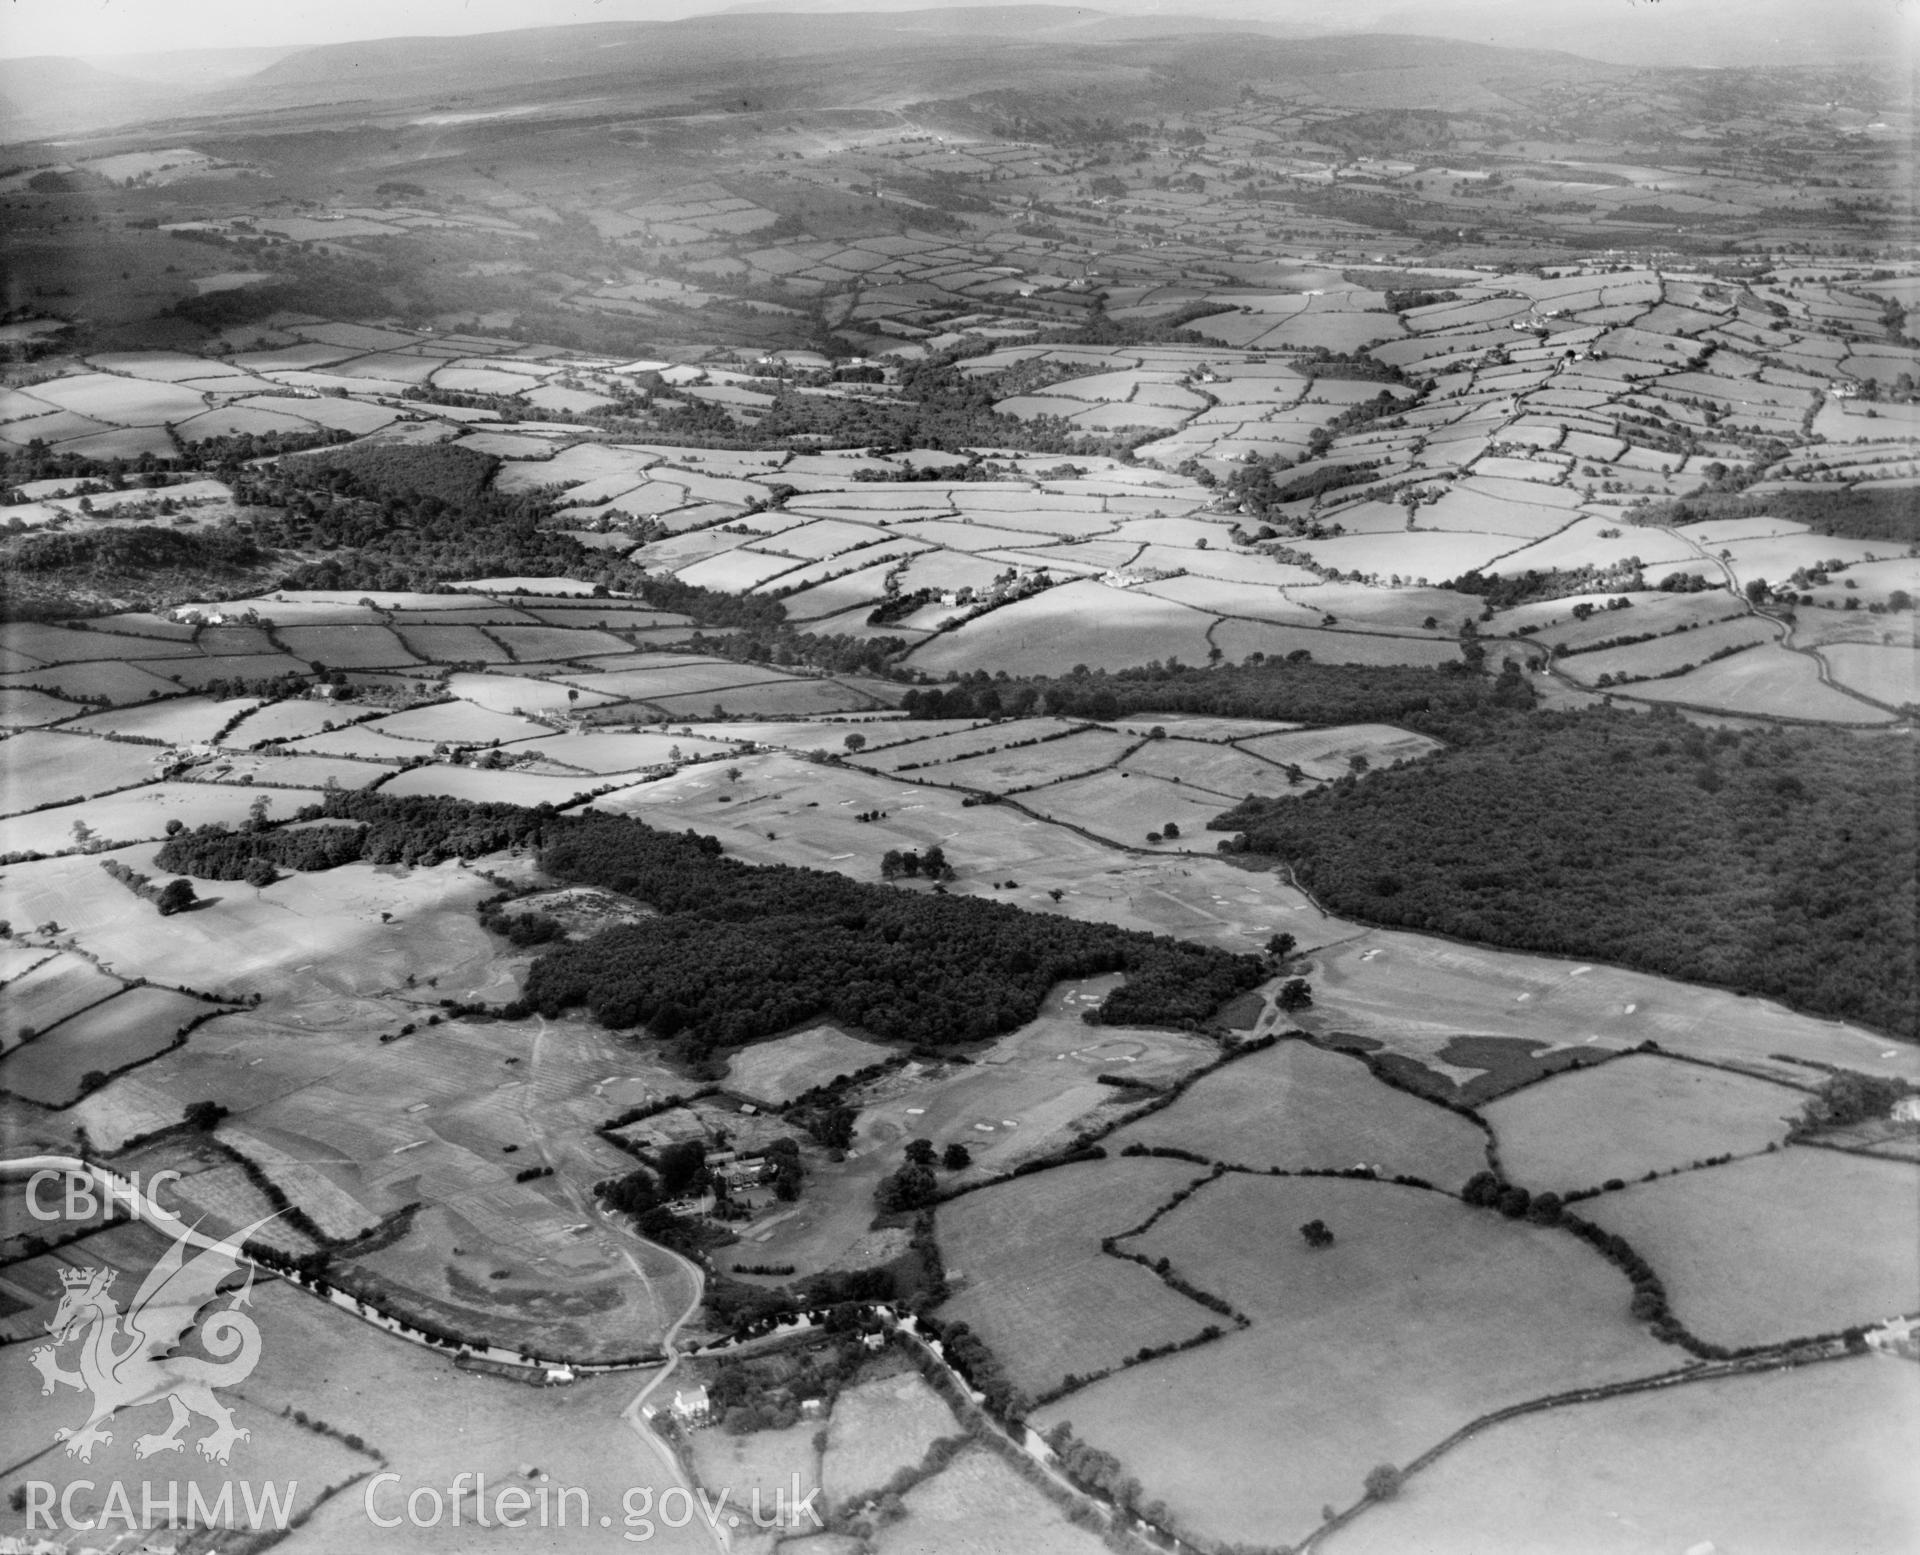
[[1776, 862], [214, 852], [739, 952]]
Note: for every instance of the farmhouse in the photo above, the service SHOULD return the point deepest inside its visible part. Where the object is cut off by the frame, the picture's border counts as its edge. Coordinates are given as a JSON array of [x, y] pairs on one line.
[[692, 1408]]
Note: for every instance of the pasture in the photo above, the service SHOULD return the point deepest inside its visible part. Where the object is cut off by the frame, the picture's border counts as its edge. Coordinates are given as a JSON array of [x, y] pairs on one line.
[[106, 1037], [1802, 1241], [1025, 1264], [878, 1428], [398, 1397], [1423, 1315], [1887, 673], [1768, 680], [979, 1506], [45, 767], [1780, 1463], [1634, 1115], [1131, 811], [762, 1462], [780, 1070], [53, 990], [1295, 1107]]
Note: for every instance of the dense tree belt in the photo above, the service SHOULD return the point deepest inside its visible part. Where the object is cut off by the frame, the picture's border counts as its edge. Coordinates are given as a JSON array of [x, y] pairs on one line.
[[741, 951], [1776, 862], [1450, 703], [134, 549], [214, 853], [1856, 512]]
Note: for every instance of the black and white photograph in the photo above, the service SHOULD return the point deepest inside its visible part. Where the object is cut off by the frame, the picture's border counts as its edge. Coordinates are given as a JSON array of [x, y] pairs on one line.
[[873, 777]]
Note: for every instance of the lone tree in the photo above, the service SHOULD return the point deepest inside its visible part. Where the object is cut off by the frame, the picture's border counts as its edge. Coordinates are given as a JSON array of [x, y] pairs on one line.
[[856, 742], [1281, 946], [176, 896], [920, 1152], [957, 1157], [1317, 1233], [1383, 1482], [1296, 993], [203, 1115]]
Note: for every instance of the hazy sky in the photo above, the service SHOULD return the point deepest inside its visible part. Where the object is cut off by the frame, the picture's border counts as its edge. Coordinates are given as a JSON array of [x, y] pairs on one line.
[[100, 27]]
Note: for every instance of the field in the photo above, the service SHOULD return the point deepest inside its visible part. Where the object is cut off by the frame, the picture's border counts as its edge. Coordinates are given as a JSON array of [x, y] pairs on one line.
[[1423, 1315], [1633, 1116], [1296, 1106], [878, 1428], [1804, 1241], [1024, 1258], [979, 1506], [763, 1461], [1781, 1463], [1769, 681], [1667, 655], [132, 1026], [56, 989], [1887, 673], [1416, 995], [780, 1070]]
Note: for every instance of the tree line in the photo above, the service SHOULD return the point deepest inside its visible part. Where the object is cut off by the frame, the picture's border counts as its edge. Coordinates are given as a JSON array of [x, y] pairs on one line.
[[1450, 703]]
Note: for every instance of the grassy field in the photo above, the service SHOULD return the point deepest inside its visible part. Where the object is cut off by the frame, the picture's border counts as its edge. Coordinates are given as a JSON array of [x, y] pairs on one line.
[[1030, 1271], [979, 1506], [1767, 680], [1635, 1115], [52, 991], [780, 1070], [1416, 995], [1786, 1463], [1295, 1106], [1423, 1315], [877, 1429], [1804, 1241], [765, 1461], [129, 1027]]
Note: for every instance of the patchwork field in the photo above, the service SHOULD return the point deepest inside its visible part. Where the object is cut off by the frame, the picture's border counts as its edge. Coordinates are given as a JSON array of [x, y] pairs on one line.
[[1295, 1107], [1778, 1464], [1025, 1262], [1632, 1116], [1422, 1315], [1308, 396], [979, 1506], [878, 1428], [1804, 1241]]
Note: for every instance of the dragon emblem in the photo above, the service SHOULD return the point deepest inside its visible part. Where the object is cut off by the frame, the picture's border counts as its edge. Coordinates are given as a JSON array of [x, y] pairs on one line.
[[127, 1359]]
